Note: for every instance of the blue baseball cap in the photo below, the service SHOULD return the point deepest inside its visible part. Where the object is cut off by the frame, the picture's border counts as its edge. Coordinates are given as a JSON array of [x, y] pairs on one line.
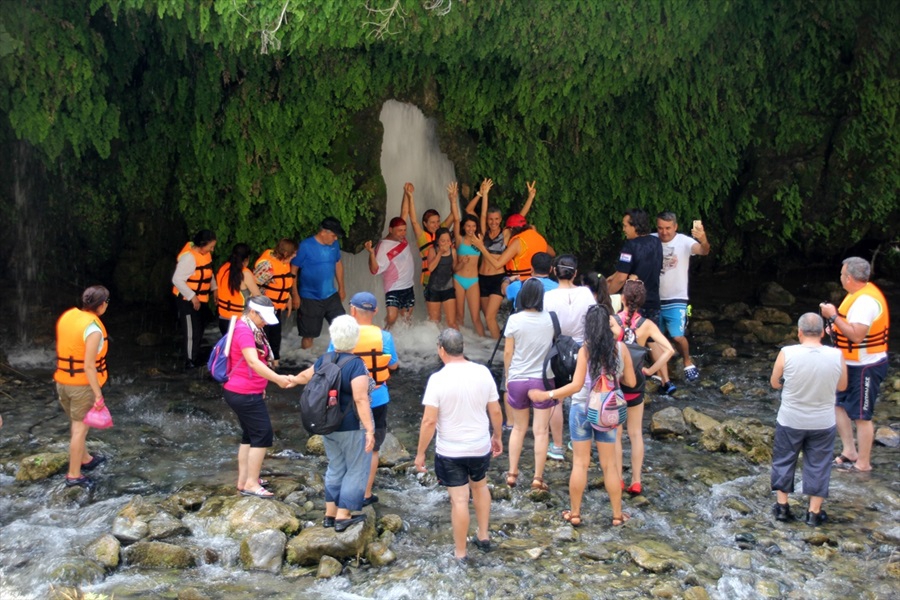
[[364, 300]]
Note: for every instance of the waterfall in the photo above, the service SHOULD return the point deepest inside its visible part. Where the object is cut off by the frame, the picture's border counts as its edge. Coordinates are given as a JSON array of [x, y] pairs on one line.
[[409, 152], [23, 261]]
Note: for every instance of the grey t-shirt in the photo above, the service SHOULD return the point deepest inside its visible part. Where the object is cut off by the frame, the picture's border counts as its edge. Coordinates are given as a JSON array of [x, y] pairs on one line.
[[811, 374], [532, 334]]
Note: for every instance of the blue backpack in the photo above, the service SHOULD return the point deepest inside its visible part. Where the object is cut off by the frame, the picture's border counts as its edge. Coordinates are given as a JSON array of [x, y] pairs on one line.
[[218, 363]]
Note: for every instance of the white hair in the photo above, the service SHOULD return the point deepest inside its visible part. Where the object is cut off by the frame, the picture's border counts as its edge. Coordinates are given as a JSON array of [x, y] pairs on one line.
[[344, 332]]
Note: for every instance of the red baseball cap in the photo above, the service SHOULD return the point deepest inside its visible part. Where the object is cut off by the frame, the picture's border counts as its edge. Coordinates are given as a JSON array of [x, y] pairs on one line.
[[516, 220]]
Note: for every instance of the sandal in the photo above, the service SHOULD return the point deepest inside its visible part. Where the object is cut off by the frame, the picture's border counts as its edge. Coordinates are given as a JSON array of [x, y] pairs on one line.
[[258, 493], [573, 519], [511, 478], [621, 520], [635, 489], [538, 484]]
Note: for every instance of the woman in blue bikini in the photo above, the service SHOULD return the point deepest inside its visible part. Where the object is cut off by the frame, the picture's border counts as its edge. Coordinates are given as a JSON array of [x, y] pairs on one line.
[[465, 273]]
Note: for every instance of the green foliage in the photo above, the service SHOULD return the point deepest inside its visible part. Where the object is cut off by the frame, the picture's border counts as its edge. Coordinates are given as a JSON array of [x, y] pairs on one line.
[[775, 122]]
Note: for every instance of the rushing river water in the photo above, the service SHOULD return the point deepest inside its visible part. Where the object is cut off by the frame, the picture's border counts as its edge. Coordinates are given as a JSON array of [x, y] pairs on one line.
[[705, 517]]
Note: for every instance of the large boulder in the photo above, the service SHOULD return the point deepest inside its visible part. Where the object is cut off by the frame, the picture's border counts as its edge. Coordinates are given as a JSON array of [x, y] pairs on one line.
[[187, 499], [392, 452], [75, 571], [313, 543], [42, 466], [243, 515], [657, 557], [315, 445], [767, 314], [104, 550], [263, 551], [735, 311], [746, 436], [668, 421], [698, 420], [163, 526], [772, 294], [132, 523], [887, 437], [329, 567], [702, 328], [159, 555]]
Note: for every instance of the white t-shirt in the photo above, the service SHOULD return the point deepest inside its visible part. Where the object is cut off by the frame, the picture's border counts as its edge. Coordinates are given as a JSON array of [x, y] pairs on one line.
[[399, 271], [570, 306], [811, 375], [864, 310], [673, 280], [461, 392], [532, 334]]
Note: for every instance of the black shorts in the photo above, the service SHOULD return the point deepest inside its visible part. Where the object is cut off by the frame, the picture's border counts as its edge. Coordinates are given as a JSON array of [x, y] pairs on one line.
[[651, 314], [400, 299], [379, 415], [252, 414], [439, 296], [311, 313], [454, 472], [490, 284]]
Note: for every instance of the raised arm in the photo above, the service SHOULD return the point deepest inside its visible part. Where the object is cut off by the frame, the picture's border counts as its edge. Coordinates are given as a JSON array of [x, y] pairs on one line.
[[404, 204], [532, 192], [409, 191], [453, 197], [485, 190]]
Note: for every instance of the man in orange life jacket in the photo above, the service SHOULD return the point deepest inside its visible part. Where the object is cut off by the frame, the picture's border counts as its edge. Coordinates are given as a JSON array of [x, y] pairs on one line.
[[193, 282], [376, 348], [860, 328]]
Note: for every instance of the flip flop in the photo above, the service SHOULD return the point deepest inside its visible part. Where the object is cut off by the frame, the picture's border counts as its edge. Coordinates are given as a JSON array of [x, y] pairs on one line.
[[853, 469], [842, 462], [259, 493]]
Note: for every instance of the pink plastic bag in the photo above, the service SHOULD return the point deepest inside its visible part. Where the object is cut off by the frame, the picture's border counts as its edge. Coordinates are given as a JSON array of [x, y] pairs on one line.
[[98, 418]]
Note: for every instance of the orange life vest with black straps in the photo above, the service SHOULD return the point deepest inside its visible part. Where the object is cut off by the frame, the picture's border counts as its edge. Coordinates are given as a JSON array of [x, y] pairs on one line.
[[278, 287], [230, 304], [530, 243], [70, 348], [201, 279], [370, 348], [425, 241], [876, 339]]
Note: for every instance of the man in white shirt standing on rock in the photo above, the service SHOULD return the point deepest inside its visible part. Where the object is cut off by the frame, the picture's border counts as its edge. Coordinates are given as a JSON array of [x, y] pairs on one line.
[[458, 401], [393, 259], [673, 284]]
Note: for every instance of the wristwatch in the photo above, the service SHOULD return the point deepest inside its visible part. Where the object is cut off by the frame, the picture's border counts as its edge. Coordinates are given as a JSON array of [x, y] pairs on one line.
[[551, 394]]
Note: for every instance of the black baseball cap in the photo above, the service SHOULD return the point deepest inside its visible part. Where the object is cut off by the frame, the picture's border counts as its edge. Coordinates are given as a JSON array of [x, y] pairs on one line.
[[332, 225]]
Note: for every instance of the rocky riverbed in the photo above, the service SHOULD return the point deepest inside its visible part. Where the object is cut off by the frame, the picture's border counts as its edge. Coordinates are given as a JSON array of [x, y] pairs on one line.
[[166, 521]]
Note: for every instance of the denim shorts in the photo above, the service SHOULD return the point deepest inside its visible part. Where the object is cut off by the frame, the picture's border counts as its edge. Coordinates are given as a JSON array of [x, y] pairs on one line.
[[581, 430], [454, 472]]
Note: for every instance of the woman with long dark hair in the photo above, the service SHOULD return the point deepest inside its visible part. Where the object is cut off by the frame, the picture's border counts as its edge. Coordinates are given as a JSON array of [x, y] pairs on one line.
[[236, 283], [465, 273], [600, 356], [439, 293]]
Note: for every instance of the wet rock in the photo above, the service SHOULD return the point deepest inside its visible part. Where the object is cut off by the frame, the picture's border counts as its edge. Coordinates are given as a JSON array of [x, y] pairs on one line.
[[772, 294], [702, 328], [163, 526], [158, 555], [729, 557], [737, 505], [104, 550], [729, 353], [824, 553], [315, 446], [500, 492], [329, 567], [390, 522], [565, 535], [656, 557], [242, 515], [664, 591], [696, 593], [852, 547], [816, 539], [263, 551], [132, 523], [392, 452], [728, 388], [748, 326], [766, 314], [538, 496], [76, 571], [282, 487], [892, 570], [534, 553], [147, 339], [210, 556], [69, 496], [192, 594], [386, 537], [710, 477], [744, 435], [313, 543], [668, 421], [767, 588], [735, 311], [41, 466], [887, 437], [188, 499], [775, 334], [380, 554], [698, 420]]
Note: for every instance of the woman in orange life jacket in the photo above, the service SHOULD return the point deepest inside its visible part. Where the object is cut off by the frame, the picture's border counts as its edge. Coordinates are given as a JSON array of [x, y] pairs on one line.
[[81, 348], [431, 222], [274, 278], [629, 326], [193, 283], [235, 284]]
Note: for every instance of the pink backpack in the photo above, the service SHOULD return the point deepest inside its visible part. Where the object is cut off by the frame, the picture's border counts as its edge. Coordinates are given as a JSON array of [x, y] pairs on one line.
[[606, 407]]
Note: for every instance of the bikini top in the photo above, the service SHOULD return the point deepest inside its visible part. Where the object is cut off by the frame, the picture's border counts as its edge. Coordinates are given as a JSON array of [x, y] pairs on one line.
[[495, 245]]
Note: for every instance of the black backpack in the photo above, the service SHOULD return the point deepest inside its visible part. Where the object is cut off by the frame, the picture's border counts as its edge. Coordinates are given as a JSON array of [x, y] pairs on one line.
[[318, 414], [562, 357]]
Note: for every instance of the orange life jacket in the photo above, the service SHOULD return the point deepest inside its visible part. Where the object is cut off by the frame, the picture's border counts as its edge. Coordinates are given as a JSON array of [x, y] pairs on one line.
[[530, 243], [370, 348], [278, 288], [425, 241], [230, 304], [876, 339], [70, 348], [201, 279]]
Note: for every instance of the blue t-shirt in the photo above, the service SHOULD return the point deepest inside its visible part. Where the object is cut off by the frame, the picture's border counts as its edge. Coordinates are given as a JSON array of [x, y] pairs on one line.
[[349, 372], [380, 395], [512, 290], [316, 262]]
